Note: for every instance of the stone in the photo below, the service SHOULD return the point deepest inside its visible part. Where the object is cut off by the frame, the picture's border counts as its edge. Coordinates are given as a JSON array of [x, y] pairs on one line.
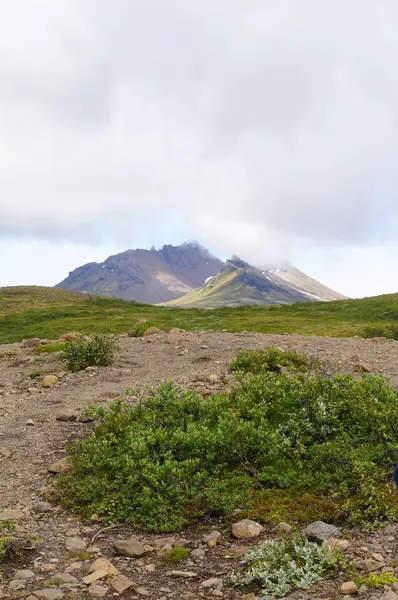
[[198, 553], [378, 557], [150, 568], [369, 565], [337, 544], [213, 582], [70, 336], [100, 574], [142, 592], [183, 574], [16, 585], [246, 529], [62, 465], [32, 343], [152, 331], [30, 597], [390, 596], [49, 381], [388, 529], [5, 452], [348, 588], [49, 594], [283, 528], [104, 565], [97, 591], [30, 423], [75, 544], [42, 507], [66, 416], [11, 515], [120, 583], [63, 578], [24, 574], [132, 548], [320, 531], [363, 368], [211, 540]]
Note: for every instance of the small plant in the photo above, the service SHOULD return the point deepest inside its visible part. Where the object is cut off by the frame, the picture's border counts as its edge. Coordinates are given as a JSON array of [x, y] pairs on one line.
[[36, 374], [7, 528], [269, 360], [376, 580], [98, 350], [79, 555], [176, 554], [139, 328], [281, 567]]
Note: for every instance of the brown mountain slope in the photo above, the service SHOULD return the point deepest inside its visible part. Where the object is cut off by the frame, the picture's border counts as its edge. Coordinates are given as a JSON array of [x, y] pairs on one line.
[[304, 283]]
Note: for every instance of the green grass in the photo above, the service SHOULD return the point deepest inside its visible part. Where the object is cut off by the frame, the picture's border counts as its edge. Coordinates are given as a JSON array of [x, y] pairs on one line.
[[48, 313]]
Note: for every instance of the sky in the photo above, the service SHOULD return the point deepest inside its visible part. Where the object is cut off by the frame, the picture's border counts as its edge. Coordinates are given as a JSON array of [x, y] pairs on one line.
[[263, 129]]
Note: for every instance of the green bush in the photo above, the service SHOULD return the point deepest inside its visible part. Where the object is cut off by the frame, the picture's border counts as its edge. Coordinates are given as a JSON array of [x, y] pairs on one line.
[[179, 457], [51, 348], [98, 350], [7, 528], [281, 567], [177, 554], [387, 331], [140, 328], [269, 360]]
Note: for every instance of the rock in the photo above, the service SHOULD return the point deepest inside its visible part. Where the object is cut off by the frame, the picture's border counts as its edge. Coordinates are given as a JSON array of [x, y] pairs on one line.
[[212, 539], [85, 419], [93, 549], [62, 465], [25, 574], [75, 544], [349, 588], [336, 544], [120, 583], [320, 531], [283, 528], [183, 574], [11, 515], [30, 597], [369, 565], [152, 331], [213, 582], [16, 585], [49, 594], [246, 529], [131, 547], [63, 578], [150, 568], [32, 343], [97, 591], [5, 452], [100, 574], [49, 381], [70, 336], [378, 557], [198, 553], [390, 596], [213, 378], [30, 423], [42, 507], [104, 565], [142, 592], [388, 529], [66, 416]]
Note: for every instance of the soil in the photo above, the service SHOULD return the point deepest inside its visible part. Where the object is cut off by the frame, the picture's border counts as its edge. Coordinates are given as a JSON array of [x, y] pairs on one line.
[[186, 358]]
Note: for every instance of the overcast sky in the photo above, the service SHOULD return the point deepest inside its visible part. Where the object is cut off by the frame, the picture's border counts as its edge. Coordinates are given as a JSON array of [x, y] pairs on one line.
[[264, 128]]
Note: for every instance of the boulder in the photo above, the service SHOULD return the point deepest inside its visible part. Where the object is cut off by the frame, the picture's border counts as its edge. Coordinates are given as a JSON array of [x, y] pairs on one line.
[[132, 548], [320, 531], [50, 380], [62, 465], [348, 588], [246, 529]]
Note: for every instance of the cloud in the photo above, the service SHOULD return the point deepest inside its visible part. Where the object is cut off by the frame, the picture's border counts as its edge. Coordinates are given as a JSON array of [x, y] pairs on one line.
[[259, 126]]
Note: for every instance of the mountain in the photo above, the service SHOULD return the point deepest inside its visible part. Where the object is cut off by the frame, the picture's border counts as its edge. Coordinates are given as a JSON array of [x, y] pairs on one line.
[[188, 275], [148, 276], [304, 283], [240, 284]]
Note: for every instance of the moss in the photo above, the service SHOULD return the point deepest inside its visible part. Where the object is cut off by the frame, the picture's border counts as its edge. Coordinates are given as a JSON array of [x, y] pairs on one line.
[[176, 554]]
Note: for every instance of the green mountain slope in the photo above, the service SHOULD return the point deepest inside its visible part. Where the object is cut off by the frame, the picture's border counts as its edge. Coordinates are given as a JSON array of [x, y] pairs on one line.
[[240, 284]]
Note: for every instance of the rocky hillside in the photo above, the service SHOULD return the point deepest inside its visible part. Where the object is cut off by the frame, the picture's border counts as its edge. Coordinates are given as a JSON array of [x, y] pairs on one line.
[[148, 276], [184, 273]]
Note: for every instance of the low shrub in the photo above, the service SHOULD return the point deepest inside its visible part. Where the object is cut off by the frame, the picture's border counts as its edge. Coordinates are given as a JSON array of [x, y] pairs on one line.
[[281, 567], [387, 331], [7, 529], [269, 360], [274, 442], [176, 554], [376, 580], [140, 328], [98, 350], [51, 348]]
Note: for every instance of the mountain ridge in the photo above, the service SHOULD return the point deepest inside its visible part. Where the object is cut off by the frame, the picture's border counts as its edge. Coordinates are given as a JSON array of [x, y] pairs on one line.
[[189, 275]]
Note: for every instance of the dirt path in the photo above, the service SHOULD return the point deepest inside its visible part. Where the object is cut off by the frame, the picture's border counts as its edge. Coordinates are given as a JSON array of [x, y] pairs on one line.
[[187, 358]]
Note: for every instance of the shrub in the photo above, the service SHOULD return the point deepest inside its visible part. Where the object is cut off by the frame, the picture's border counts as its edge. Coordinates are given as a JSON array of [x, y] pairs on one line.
[[177, 554], [51, 348], [387, 331], [98, 350], [376, 580], [281, 567], [140, 328], [269, 360], [275, 439], [7, 528]]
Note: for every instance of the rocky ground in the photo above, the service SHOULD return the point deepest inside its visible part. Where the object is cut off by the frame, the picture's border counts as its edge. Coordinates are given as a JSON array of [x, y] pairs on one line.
[[38, 423]]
